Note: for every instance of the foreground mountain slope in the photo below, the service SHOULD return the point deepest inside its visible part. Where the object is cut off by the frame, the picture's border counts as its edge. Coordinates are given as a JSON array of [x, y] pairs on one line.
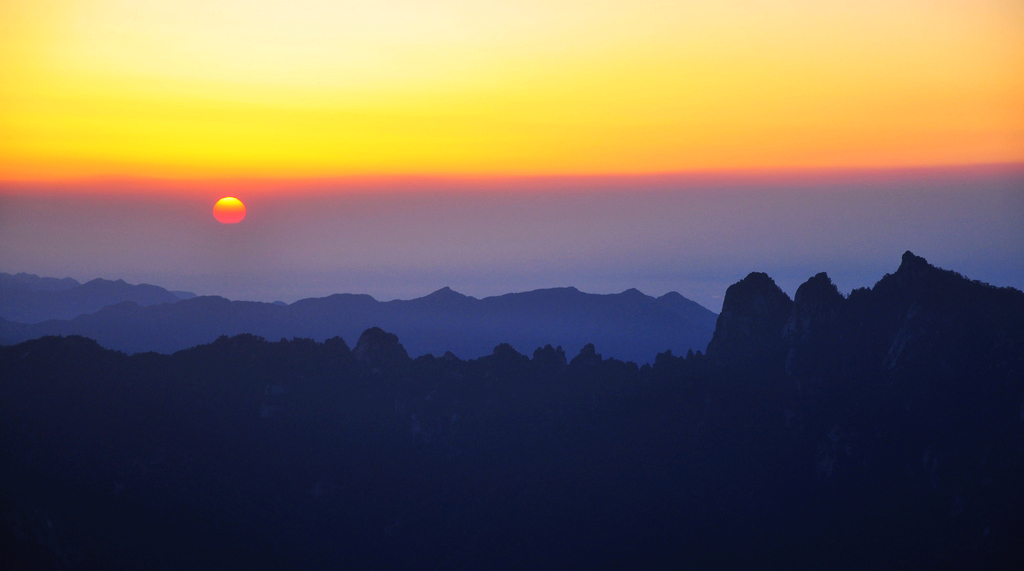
[[883, 430], [629, 325]]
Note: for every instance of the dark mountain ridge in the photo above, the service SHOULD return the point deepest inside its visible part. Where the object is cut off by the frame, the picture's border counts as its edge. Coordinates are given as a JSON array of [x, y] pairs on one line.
[[629, 325], [880, 430]]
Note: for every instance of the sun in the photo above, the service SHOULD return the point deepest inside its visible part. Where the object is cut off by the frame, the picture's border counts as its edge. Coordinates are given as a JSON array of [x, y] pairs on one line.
[[229, 210]]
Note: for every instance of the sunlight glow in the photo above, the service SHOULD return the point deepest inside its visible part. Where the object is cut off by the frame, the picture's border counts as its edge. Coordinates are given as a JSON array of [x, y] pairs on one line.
[[311, 88]]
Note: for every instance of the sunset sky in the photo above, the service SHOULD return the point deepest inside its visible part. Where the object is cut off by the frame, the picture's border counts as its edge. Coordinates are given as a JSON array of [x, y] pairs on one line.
[[609, 144], [300, 88]]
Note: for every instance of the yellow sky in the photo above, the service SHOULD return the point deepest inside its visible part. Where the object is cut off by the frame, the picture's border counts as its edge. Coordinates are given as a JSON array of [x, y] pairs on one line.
[[313, 88]]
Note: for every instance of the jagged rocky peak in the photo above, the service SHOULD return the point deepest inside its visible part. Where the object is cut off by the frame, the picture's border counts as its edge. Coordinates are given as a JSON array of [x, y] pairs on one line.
[[816, 290], [377, 347], [754, 312], [911, 264], [550, 356], [504, 352], [505, 357], [588, 357], [917, 280], [814, 307], [914, 270], [337, 346]]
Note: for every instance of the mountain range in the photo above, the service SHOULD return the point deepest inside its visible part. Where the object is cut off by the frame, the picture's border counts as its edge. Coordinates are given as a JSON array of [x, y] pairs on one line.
[[879, 430], [628, 325], [28, 298]]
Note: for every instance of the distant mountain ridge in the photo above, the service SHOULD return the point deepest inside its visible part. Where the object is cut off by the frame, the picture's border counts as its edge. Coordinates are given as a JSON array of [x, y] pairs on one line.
[[629, 325], [28, 298], [31, 282]]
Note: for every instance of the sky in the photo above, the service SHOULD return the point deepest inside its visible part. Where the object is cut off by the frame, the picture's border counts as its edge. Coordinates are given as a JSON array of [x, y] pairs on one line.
[[297, 88], [391, 147]]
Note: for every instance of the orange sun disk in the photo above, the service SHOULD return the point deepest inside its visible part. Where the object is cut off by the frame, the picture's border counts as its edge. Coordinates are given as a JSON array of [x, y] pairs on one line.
[[229, 210]]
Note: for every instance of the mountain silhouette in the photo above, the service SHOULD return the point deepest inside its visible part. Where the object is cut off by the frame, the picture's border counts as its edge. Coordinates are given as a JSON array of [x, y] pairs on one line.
[[629, 325], [884, 429], [27, 298], [748, 331]]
